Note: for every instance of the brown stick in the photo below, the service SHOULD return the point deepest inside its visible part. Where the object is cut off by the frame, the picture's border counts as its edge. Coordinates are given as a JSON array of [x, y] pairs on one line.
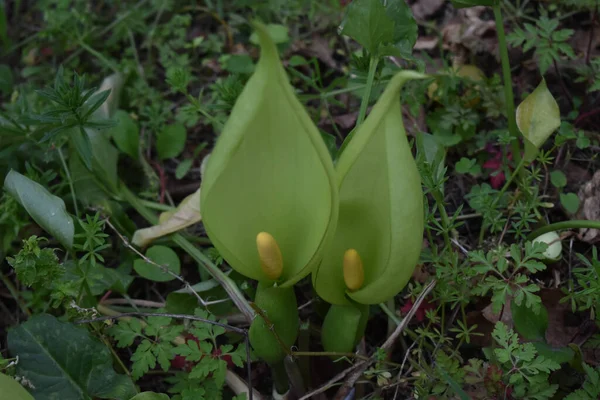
[[356, 371]]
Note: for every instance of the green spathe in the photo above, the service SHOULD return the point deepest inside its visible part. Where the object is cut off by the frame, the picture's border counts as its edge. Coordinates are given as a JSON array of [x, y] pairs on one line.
[[270, 172], [381, 206]]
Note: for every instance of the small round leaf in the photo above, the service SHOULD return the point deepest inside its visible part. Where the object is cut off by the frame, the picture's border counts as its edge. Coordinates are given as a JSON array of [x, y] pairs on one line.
[[558, 179], [161, 255]]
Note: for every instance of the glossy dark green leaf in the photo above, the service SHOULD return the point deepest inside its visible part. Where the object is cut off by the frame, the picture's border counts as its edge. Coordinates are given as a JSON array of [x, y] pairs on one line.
[[63, 361], [47, 210]]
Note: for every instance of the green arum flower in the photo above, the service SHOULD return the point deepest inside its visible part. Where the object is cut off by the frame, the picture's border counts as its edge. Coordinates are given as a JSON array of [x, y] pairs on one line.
[[269, 198], [381, 221]]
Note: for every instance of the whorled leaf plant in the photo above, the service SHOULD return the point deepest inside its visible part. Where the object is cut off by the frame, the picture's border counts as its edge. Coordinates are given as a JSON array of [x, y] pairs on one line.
[[269, 199], [379, 231]]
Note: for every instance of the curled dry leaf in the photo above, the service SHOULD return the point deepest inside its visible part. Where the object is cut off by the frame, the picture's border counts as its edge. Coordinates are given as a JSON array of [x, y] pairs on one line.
[[186, 214]]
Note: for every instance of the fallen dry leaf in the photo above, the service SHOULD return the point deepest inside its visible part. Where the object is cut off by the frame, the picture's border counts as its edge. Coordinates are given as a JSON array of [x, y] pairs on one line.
[[426, 8], [186, 214], [426, 43], [589, 196]]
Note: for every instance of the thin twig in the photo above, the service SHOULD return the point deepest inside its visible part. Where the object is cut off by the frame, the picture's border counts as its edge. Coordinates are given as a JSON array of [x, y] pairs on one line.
[[359, 368], [137, 302], [329, 383], [169, 315], [271, 326], [362, 366], [185, 283]]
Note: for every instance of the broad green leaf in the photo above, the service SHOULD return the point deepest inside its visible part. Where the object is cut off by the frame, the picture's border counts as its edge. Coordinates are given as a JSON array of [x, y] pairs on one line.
[[570, 202], [381, 206], [11, 389], [171, 141], [472, 3], [269, 172], [530, 325], [47, 210], [556, 354], [150, 396], [405, 27], [87, 188], [104, 157], [186, 214], [368, 22], [81, 143], [163, 256], [126, 134], [63, 361], [537, 117]]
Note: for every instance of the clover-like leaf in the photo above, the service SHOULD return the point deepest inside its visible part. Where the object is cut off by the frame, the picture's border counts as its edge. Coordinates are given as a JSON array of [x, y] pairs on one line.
[[381, 207], [270, 171]]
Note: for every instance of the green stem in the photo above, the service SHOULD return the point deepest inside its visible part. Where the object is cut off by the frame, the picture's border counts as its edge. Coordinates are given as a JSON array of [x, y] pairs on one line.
[[509, 181], [108, 63], [413, 335], [280, 378], [203, 112], [367, 94], [230, 287], [327, 94], [501, 193], [557, 226], [437, 195], [69, 180], [508, 90]]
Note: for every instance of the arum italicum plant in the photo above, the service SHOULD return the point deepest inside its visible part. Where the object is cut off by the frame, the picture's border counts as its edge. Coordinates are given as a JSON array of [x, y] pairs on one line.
[[270, 199], [379, 232]]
